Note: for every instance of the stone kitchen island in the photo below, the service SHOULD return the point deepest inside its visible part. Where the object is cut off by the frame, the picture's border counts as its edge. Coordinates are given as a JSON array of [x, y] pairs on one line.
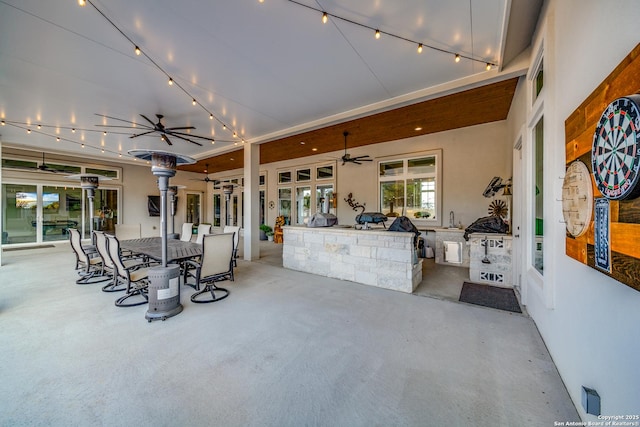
[[375, 257]]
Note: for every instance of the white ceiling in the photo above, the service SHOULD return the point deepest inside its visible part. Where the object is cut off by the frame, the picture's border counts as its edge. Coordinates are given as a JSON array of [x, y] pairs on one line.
[[266, 70]]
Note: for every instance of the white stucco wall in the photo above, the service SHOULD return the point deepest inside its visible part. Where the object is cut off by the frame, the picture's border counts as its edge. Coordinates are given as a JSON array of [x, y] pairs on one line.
[[588, 321], [470, 158]]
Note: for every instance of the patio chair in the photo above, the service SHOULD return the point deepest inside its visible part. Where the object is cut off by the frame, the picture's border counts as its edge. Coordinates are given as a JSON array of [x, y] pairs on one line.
[[108, 268], [187, 231], [202, 230], [215, 265], [134, 277], [236, 240], [88, 264]]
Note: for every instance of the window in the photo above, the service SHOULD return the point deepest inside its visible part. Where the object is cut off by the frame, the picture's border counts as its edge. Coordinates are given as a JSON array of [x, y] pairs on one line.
[[303, 204], [324, 172], [410, 187], [538, 81], [325, 200], [284, 203], [303, 175], [538, 196], [284, 177], [110, 173]]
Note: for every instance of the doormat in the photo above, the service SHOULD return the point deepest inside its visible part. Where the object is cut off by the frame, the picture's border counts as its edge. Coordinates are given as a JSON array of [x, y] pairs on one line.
[[24, 248], [490, 296]]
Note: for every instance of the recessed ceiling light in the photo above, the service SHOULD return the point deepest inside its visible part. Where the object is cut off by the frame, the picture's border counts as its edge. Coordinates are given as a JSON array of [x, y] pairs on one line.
[[232, 159], [418, 128], [314, 149], [301, 142]]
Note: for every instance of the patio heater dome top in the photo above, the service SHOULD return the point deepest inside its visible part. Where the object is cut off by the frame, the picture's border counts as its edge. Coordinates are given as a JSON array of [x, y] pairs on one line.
[[150, 155], [89, 180]]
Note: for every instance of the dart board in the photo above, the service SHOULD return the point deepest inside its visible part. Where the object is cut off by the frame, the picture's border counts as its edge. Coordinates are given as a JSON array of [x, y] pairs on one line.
[[615, 153]]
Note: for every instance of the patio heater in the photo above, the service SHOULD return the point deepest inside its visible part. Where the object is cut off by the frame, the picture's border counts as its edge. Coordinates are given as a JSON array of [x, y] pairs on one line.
[[164, 286], [228, 191], [172, 192], [89, 182]]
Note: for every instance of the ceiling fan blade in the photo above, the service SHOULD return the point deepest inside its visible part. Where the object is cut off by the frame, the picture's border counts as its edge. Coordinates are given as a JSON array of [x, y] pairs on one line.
[[124, 127], [166, 138], [147, 119], [206, 138], [183, 127], [114, 118], [141, 134], [185, 139]]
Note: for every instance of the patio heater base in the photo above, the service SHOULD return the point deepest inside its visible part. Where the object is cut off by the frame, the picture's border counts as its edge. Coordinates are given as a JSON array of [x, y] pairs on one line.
[[164, 293]]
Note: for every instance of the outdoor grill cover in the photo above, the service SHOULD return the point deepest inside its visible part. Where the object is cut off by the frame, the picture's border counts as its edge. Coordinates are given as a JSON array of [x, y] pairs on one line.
[[487, 224], [371, 217], [322, 220]]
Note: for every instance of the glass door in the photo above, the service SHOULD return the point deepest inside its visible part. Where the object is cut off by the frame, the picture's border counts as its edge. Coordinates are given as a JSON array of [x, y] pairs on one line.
[[303, 204], [61, 209], [20, 213], [193, 208]]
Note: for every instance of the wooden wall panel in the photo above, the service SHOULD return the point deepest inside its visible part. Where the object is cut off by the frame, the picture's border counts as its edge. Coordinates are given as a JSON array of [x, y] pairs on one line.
[[624, 215]]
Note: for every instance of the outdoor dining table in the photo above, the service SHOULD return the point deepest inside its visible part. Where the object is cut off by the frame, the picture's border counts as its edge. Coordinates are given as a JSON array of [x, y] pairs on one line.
[[177, 250]]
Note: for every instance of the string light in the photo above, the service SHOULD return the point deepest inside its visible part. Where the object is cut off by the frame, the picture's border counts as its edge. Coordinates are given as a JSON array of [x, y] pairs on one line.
[[73, 130], [140, 52], [378, 34], [28, 130], [3, 123], [488, 66], [58, 139], [39, 127], [82, 3]]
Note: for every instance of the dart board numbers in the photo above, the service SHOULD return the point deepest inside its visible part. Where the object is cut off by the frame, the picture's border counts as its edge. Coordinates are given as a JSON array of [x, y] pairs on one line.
[[615, 154]]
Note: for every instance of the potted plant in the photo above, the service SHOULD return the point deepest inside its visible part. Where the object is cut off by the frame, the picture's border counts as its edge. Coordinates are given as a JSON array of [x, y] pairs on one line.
[[264, 231]]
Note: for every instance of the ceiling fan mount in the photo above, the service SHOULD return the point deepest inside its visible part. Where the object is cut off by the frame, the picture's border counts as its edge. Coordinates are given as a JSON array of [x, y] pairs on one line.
[[166, 133], [346, 157]]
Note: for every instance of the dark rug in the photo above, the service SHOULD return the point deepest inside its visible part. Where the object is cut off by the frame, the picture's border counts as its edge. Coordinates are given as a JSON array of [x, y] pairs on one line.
[[490, 296]]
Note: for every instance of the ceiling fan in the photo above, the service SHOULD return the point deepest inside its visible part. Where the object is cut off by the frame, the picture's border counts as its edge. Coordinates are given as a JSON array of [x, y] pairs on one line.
[[46, 168], [346, 157], [165, 132], [206, 178]]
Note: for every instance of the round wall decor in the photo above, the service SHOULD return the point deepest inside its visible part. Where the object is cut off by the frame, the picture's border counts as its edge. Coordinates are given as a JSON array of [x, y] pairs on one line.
[[577, 198], [615, 153]]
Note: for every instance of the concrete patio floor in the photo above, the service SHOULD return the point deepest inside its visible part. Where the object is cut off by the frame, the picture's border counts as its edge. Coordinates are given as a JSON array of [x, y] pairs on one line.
[[284, 349]]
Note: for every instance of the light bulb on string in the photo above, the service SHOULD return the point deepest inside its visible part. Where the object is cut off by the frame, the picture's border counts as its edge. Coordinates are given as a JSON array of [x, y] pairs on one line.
[[137, 50], [488, 66], [325, 17], [419, 47], [377, 34], [457, 59], [170, 81]]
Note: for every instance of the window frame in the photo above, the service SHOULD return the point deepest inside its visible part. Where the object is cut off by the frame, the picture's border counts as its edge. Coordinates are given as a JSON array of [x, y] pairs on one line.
[[406, 176]]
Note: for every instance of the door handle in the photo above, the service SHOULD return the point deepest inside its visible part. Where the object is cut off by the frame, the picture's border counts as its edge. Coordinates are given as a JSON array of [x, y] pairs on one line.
[[516, 236]]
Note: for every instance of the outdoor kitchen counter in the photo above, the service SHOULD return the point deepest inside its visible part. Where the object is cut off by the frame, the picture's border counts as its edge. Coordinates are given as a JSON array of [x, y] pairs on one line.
[[375, 257]]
